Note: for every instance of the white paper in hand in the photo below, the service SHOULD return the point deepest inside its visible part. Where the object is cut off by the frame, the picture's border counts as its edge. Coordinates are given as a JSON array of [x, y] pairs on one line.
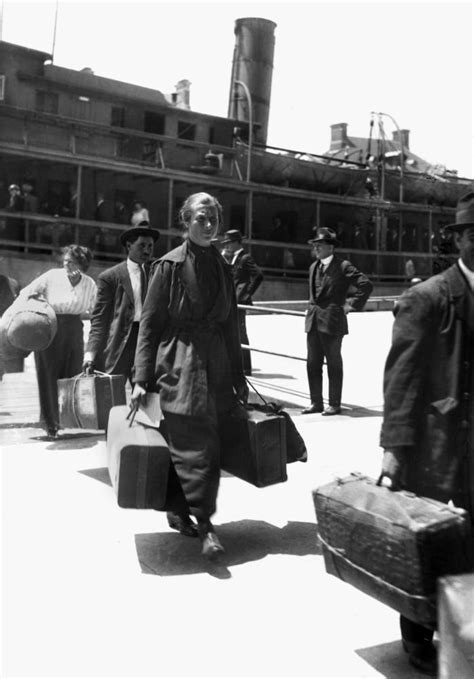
[[150, 413]]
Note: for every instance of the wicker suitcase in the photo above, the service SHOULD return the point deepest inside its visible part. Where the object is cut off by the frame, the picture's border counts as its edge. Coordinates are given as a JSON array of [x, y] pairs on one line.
[[138, 459], [391, 545], [253, 446], [456, 626], [85, 400]]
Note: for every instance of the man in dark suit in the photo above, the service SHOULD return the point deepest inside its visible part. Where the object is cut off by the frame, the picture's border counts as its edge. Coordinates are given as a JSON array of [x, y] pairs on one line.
[[330, 278], [428, 420], [247, 279], [116, 316]]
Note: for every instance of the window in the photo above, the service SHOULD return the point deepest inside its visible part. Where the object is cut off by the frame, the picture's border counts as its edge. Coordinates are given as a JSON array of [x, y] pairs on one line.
[[186, 130], [83, 108], [2, 87], [154, 122], [117, 116], [220, 134], [46, 101]]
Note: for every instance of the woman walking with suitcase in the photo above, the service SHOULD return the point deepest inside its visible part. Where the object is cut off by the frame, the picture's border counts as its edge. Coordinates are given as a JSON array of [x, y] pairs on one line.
[[189, 351], [71, 294]]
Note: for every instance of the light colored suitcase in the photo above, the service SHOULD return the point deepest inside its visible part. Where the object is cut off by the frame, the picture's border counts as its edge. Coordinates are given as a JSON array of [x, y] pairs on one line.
[[138, 459]]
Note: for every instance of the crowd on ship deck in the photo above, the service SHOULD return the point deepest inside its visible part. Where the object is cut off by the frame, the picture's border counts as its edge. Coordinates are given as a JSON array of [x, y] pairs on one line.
[[359, 237]]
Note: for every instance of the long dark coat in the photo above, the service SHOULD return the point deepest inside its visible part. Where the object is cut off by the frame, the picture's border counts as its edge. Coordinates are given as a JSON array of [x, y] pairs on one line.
[[326, 310], [247, 277], [112, 318], [189, 357], [428, 387]]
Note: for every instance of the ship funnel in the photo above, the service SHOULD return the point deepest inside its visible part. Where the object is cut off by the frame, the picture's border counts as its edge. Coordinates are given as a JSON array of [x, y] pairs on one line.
[[253, 66]]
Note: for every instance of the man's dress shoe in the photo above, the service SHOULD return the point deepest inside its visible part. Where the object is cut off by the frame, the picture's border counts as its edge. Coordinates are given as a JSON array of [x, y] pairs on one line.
[[331, 410], [183, 524], [423, 656], [313, 408]]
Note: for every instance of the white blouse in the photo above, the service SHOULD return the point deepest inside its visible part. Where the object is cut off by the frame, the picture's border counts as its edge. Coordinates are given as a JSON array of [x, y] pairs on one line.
[[64, 297]]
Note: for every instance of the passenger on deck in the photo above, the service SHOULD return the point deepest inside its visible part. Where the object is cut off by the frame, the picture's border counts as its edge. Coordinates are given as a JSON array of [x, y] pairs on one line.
[[139, 213], [330, 278], [189, 351]]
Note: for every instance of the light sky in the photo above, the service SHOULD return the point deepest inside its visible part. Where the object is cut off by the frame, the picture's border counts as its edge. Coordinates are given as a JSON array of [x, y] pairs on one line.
[[334, 62]]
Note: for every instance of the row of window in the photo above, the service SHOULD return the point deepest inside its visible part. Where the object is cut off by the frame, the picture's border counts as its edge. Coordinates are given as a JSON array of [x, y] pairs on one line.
[[153, 122]]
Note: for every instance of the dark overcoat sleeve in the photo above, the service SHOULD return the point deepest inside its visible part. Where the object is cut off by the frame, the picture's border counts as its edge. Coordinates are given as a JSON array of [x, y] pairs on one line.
[[251, 278], [102, 315], [406, 369], [232, 340], [361, 285], [153, 321]]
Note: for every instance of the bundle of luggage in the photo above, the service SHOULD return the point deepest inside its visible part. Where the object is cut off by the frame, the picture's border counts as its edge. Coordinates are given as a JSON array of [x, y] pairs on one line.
[[392, 545]]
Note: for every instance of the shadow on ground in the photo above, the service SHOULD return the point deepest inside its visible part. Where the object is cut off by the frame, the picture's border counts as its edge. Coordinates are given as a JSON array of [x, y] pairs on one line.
[[173, 554], [273, 376], [63, 441], [100, 474], [350, 410], [390, 660]]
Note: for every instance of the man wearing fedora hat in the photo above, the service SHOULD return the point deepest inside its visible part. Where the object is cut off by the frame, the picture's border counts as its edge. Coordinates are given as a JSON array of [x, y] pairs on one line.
[[330, 278], [247, 279], [427, 432], [120, 294]]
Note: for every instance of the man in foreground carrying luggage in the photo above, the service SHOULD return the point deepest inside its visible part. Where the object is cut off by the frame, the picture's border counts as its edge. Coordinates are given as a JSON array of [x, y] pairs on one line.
[[427, 431]]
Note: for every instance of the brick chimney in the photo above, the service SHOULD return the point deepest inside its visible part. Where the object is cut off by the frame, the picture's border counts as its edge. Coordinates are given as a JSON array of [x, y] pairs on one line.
[[181, 98], [339, 138], [405, 137]]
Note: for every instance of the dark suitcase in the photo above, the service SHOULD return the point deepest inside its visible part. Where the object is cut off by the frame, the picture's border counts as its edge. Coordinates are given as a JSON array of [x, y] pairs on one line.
[[456, 626], [85, 400], [295, 446], [138, 459], [391, 545], [253, 446]]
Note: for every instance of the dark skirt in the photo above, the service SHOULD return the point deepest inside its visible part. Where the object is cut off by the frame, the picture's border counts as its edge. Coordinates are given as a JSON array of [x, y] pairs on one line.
[[63, 358], [195, 470]]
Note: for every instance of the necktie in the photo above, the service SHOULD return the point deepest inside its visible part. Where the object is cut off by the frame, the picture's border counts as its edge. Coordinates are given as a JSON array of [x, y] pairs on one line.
[[143, 281]]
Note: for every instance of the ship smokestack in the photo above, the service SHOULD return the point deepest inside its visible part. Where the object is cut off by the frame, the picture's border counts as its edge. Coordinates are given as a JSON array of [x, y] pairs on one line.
[[253, 65]]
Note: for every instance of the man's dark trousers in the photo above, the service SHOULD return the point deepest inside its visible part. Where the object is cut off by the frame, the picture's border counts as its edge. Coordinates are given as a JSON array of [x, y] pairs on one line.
[[244, 339], [321, 345]]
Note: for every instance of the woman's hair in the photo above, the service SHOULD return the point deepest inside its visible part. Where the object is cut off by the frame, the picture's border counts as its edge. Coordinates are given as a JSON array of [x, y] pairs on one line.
[[198, 199], [80, 253]]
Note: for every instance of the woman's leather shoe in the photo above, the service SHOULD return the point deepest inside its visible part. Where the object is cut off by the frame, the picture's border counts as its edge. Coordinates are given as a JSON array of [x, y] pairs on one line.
[[211, 546], [183, 524], [423, 656], [313, 408]]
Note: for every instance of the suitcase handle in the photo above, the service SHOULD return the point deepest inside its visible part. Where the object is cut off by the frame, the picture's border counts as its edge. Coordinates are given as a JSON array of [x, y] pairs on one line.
[[131, 413], [273, 408]]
